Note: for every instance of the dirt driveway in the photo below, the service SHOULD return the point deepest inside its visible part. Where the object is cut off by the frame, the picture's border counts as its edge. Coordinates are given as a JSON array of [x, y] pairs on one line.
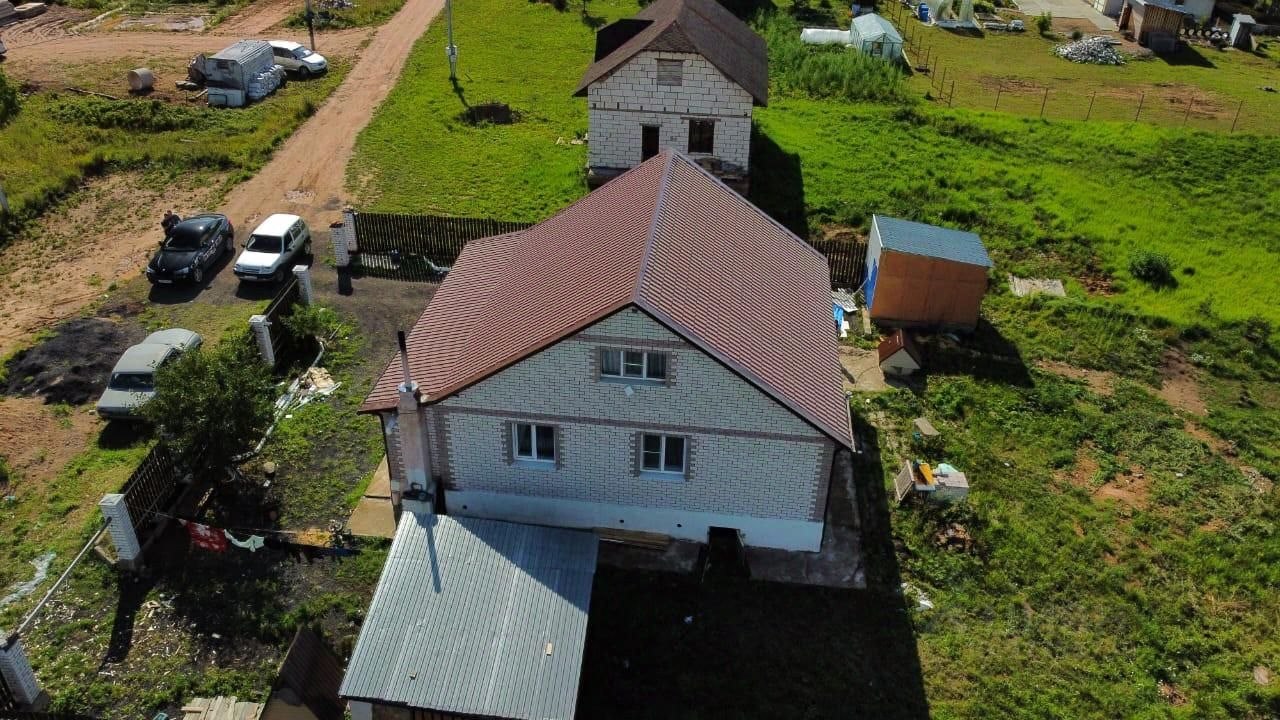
[[305, 175]]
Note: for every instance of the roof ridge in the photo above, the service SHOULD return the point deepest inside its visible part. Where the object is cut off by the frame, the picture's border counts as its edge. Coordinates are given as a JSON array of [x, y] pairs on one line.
[[658, 207], [684, 5], [752, 206]]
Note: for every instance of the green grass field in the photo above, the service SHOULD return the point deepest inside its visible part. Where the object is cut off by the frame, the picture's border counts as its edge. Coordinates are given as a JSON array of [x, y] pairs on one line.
[[56, 140]]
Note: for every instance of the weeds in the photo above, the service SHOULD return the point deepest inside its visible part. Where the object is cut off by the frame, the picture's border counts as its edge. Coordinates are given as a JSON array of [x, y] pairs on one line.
[[822, 71]]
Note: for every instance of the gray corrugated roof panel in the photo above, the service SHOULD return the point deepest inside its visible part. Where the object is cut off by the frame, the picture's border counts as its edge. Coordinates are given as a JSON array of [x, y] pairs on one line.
[[242, 50], [916, 238], [480, 617]]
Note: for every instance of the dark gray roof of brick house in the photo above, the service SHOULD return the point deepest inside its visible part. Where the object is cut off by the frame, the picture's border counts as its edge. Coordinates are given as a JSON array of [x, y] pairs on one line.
[[666, 238], [916, 238], [704, 27], [477, 617]]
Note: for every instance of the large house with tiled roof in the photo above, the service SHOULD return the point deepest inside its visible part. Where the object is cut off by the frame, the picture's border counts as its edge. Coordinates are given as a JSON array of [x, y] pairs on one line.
[[681, 75], [658, 357]]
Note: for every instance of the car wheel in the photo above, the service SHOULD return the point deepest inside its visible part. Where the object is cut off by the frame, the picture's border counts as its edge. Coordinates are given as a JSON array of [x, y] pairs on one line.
[[231, 243], [304, 73], [306, 249], [277, 276], [197, 275]]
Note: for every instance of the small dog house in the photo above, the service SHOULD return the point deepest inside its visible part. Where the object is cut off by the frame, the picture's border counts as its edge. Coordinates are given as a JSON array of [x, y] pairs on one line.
[[922, 275], [899, 355]]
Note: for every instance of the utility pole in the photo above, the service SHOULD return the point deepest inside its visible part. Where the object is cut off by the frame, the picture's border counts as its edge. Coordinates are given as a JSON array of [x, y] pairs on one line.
[[451, 50], [311, 29]]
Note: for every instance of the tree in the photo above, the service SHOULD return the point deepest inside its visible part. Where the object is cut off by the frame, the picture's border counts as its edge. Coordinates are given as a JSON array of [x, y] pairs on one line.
[[219, 401]]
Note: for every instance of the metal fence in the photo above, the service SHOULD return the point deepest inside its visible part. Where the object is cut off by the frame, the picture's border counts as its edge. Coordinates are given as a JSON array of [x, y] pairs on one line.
[[417, 247], [847, 260], [7, 700], [1178, 104]]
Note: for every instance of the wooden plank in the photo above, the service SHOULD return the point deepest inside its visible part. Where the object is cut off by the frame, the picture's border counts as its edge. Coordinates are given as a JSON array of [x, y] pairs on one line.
[[639, 538]]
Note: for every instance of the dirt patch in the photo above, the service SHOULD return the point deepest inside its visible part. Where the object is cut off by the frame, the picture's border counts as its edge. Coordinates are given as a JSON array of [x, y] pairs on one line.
[[1171, 694], [73, 366], [1132, 489], [1099, 381], [842, 233], [259, 17], [37, 440], [56, 22], [1214, 525], [1179, 386], [1010, 84], [861, 369], [1085, 468], [106, 232]]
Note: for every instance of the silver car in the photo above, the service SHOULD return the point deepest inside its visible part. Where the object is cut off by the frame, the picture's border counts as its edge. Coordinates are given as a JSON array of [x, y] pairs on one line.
[[298, 59], [132, 381]]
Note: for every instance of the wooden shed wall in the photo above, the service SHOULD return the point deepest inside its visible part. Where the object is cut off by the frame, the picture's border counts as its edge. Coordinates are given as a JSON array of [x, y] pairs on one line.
[[913, 290], [1158, 19]]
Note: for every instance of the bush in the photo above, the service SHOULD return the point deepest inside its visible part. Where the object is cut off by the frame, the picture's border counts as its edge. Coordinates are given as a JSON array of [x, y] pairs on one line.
[[9, 100], [1151, 267], [140, 115], [825, 71], [220, 400], [1044, 23], [1076, 34]]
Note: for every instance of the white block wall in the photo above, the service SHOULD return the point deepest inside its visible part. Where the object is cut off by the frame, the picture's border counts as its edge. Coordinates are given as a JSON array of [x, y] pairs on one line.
[[630, 97], [755, 465]]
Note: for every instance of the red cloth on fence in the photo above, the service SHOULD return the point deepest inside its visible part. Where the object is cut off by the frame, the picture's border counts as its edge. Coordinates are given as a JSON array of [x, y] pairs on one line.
[[207, 538]]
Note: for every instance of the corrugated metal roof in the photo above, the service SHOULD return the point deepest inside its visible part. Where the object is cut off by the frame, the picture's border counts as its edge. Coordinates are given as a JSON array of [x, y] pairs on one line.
[[243, 50], [666, 237], [915, 238], [480, 617], [704, 27]]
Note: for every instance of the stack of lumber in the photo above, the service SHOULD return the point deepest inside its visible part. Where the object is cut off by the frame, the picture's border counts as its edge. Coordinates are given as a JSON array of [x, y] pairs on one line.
[[221, 708]]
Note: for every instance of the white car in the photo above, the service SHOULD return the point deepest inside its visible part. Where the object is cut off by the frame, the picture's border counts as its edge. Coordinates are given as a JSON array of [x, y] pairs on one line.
[[273, 248], [297, 58]]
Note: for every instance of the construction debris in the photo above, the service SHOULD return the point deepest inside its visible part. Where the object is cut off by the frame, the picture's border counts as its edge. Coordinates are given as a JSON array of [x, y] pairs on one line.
[[20, 590], [1094, 51], [1033, 286]]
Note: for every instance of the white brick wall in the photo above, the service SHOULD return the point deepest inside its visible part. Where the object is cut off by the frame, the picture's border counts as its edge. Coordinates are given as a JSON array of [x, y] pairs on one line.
[[631, 97], [751, 456]]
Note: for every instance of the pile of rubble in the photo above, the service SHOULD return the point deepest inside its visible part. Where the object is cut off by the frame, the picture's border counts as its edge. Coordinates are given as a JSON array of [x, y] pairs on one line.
[[1094, 50]]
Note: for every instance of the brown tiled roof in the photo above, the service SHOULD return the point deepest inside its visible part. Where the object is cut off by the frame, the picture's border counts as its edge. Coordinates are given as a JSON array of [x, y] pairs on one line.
[[665, 237], [899, 340], [704, 27]]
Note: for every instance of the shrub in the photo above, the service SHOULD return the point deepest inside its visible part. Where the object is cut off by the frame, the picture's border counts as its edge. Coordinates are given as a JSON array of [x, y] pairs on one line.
[[1044, 23], [1151, 267], [9, 101], [1076, 34], [824, 71]]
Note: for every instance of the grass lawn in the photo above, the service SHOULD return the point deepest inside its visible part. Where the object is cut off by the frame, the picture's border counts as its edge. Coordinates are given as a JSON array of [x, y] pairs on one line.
[[1213, 81], [57, 140]]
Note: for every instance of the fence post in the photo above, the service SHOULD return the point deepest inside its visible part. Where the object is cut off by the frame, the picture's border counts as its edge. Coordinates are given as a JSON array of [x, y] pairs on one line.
[[303, 273], [120, 525], [999, 90], [339, 235], [1141, 98], [18, 674], [951, 96], [262, 333], [1186, 115], [1237, 118], [349, 221], [1089, 114], [1043, 101]]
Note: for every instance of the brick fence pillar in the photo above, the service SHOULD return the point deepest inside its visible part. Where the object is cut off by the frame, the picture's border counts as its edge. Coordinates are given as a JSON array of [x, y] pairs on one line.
[[262, 333], [120, 526], [341, 238], [303, 273], [17, 672]]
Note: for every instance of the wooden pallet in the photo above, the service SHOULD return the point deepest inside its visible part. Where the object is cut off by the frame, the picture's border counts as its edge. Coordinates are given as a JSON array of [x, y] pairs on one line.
[[221, 708]]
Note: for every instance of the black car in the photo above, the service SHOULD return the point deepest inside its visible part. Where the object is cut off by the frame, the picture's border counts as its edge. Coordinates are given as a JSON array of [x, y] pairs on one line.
[[190, 247]]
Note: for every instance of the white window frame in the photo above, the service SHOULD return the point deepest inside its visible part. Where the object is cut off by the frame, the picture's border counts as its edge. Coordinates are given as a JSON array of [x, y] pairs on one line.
[[623, 375], [662, 472], [533, 444]]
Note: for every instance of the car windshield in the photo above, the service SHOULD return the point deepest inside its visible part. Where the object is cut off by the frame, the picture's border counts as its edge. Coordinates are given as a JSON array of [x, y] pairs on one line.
[[183, 238], [265, 244], [132, 382], [301, 52]]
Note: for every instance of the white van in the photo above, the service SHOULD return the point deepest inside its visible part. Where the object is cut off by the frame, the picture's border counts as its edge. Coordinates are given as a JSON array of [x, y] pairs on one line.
[[273, 248]]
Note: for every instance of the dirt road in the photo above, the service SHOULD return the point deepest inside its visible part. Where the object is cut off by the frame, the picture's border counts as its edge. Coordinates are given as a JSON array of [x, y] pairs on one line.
[[305, 176]]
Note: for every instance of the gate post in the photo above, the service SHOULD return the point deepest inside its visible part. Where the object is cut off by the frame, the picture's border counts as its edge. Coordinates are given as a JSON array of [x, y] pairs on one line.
[[303, 273], [262, 333], [17, 672], [339, 234], [349, 222], [120, 525]]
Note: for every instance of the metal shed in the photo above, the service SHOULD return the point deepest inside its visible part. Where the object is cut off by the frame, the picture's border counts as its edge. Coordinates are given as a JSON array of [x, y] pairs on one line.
[[921, 275], [475, 618]]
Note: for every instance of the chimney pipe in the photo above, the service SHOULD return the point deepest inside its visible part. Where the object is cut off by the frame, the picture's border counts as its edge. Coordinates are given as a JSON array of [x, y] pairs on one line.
[[404, 359]]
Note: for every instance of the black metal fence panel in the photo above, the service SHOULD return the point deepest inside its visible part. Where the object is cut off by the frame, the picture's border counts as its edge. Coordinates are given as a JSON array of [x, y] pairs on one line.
[[418, 247]]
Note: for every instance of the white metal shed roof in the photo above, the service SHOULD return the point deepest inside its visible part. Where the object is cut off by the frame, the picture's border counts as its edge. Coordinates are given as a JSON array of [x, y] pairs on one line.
[[477, 617]]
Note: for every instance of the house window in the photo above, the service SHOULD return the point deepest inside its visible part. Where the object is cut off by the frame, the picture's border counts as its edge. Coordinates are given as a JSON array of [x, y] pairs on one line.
[[671, 73], [702, 136], [534, 443], [663, 454], [633, 365]]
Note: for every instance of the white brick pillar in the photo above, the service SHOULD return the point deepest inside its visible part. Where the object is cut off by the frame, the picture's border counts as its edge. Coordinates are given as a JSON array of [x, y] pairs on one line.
[[303, 273], [120, 526], [17, 671], [349, 222], [340, 237], [262, 333]]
